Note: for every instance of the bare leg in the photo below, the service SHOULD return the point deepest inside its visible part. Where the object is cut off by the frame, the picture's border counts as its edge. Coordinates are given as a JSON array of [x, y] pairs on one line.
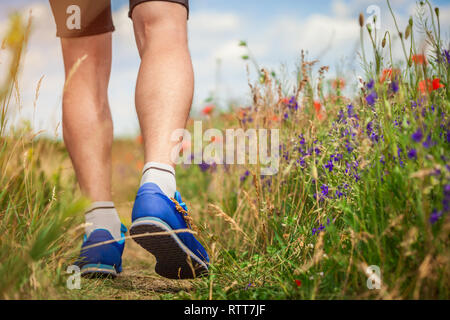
[[87, 124], [165, 82]]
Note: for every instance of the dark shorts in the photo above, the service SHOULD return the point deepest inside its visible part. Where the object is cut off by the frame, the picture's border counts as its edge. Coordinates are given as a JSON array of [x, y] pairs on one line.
[[79, 18]]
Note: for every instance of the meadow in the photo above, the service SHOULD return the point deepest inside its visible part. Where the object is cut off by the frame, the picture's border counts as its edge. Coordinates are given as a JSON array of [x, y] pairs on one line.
[[363, 180]]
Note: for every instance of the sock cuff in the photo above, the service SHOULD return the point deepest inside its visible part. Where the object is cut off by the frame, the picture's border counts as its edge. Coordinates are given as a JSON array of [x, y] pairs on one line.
[[100, 205], [158, 166]]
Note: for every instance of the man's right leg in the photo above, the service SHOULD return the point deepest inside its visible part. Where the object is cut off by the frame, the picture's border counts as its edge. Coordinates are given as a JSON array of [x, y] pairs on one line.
[[85, 29], [87, 123]]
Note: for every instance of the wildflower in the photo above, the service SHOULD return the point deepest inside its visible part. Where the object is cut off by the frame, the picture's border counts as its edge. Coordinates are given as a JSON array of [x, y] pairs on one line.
[[372, 98], [412, 154], [430, 85], [417, 136], [274, 118], [394, 86], [293, 103], [318, 108], [446, 55], [370, 85], [386, 74], [298, 283], [437, 84], [329, 166], [324, 189], [244, 176], [429, 142], [207, 110], [204, 166], [339, 194], [419, 59], [434, 216]]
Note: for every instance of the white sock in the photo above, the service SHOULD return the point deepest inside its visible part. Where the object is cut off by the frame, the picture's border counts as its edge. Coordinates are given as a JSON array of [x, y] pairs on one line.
[[163, 175], [103, 215]]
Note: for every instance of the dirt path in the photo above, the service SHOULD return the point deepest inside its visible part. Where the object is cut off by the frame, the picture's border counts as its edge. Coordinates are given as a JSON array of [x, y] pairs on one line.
[[137, 281]]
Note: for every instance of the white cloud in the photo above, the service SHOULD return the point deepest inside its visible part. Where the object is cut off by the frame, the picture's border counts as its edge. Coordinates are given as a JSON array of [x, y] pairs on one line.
[[212, 35]]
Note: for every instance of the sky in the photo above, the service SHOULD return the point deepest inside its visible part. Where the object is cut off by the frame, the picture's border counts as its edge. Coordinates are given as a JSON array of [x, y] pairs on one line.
[[276, 32]]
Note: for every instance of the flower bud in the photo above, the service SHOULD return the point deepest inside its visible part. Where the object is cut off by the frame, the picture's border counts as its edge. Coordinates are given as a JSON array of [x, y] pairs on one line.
[[407, 31], [361, 20]]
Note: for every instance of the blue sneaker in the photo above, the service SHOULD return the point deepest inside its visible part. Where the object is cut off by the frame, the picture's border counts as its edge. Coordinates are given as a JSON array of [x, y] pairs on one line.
[[98, 259], [178, 255]]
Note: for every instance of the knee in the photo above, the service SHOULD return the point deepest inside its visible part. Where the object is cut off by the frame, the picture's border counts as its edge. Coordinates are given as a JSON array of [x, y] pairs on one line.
[[160, 24]]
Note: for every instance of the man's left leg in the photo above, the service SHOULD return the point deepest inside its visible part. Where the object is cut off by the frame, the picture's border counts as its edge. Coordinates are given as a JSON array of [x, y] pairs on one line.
[[164, 93]]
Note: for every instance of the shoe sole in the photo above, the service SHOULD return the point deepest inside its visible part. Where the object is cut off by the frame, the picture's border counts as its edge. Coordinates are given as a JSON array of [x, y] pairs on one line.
[[98, 271], [173, 259]]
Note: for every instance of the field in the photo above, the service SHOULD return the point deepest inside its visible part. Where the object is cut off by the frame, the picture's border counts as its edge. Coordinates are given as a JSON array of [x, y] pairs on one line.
[[363, 180]]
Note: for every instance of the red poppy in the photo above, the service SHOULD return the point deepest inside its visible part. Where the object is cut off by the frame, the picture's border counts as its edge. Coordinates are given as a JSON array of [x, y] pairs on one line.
[[428, 85], [317, 106], [275, 118], [437, 84], [285, 100], [419, 59], [298, 283], [388, 73], [208, 109]]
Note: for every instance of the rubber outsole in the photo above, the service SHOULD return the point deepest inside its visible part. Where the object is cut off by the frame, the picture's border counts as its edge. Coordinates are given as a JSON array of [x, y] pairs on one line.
[[98, 272], [173, 259]]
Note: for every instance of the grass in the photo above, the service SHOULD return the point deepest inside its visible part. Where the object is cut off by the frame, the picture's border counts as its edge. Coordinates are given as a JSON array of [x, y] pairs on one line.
[[363, 181]]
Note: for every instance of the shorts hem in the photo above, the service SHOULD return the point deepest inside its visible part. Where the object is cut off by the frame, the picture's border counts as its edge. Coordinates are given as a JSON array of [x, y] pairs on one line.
[[130, 12], [85, 33]]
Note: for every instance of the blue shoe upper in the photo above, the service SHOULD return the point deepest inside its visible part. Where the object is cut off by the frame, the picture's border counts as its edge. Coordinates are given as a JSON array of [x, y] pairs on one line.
[[152, 202], [109, 254]]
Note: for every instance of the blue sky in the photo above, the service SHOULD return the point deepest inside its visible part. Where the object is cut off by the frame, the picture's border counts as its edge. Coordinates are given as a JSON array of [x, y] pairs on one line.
[[276, 31]]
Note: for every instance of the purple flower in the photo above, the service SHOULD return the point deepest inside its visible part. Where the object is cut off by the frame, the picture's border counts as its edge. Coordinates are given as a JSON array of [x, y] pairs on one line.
[[394, 86], [370, 84], [417, 136], [244, 176], [446, 56], [339, 194], [329, 166], [412, 154], [428, 143], [204, 166], [324, 189], [372, 98], [434, 216]]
